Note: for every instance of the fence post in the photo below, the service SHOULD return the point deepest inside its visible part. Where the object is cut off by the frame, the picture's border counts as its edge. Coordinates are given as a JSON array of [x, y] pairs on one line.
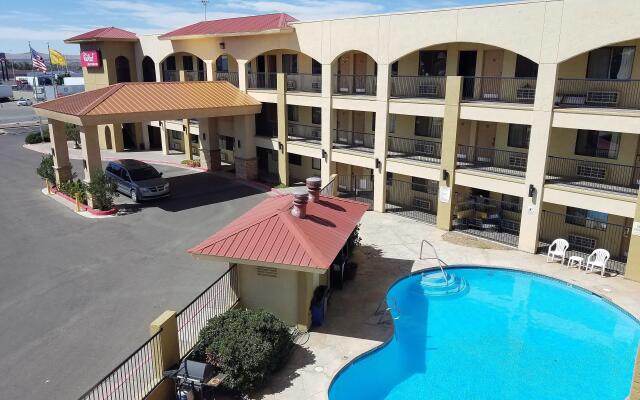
[[167, 325]]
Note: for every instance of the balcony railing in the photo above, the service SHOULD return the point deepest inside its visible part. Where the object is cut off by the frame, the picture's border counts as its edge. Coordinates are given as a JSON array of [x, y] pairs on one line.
[[585, 235], [413, 200], [432, 87], [231, 77], [355, 85], [356, 187], [414, 149], [488, 218], [310, 83], [492, 160], [170, 75], [588, 174], [195, 75], [261, 80], [304, 133], [267, 129], [497, 89], [598, 93], [357, 141]]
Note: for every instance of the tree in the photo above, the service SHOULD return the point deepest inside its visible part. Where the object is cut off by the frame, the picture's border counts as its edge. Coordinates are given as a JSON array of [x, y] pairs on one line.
[[102, 190], [45, 170]]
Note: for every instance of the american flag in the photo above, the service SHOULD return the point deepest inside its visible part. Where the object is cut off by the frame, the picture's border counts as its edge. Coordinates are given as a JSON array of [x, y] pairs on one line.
[[38, 61]]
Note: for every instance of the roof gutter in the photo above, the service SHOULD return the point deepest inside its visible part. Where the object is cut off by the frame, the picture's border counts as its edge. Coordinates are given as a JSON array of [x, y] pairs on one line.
[[289, 267], [223, 35]]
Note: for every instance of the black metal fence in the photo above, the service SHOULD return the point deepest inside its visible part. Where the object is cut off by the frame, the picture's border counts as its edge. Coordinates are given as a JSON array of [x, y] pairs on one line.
[[356, 187], [491, 219], [331, 188], [311, 83], [358, 141], [134, 378], [492, 160], [301, 132], [418, 86], [599, 93], [231, 77], [262, 80], [585, 235], [593, 175], [195, 75], [414, 149], [413, 200], [355, 84], [170, 75], [498, 89]]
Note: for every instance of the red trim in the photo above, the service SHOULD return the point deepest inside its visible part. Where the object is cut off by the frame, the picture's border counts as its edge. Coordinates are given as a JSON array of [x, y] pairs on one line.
[[83, 206]]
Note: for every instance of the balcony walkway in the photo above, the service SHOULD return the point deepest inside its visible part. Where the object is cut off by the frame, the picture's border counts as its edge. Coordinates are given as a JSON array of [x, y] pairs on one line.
[[591, 185]]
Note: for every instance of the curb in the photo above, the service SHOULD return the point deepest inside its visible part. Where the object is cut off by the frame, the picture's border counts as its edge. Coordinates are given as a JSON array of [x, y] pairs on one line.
[[70, 203]]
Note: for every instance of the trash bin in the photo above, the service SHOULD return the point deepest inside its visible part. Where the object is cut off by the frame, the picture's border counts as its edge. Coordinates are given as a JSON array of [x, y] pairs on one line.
[[318, 306]]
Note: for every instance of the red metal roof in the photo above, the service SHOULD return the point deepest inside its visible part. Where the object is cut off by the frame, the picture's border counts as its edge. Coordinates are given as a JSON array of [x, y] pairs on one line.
[[269, 233], [252, 24], [108, 33]]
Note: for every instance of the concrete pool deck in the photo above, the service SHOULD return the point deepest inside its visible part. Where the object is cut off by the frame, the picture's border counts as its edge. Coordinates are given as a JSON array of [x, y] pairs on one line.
[[389, 250]]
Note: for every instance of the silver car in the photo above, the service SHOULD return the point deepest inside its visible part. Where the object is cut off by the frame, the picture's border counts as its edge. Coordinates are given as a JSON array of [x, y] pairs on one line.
[[138, 180]]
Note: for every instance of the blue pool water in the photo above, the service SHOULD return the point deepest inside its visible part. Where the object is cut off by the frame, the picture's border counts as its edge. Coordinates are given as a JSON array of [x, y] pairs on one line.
[[507, 335]]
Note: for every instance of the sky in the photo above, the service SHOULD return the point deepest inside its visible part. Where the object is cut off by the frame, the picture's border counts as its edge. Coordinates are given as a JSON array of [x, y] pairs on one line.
[[42, 21]]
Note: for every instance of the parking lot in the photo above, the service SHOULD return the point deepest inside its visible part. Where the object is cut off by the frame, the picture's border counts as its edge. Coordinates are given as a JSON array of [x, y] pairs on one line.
[[77, 294]]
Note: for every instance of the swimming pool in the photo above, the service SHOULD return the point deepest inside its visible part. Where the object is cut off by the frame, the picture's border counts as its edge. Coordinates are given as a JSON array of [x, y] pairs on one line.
[[507, 335]]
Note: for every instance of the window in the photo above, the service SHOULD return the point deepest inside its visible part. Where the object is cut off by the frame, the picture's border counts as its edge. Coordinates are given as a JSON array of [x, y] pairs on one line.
[[292, 113], [187, 63], [586, 218], [394, 69], [525, 68], [315, 163], [123, 74], [611, 62], [428, 127], [316, 67], [228, 142], [519, 136], [419, 184], [290, 63], [295, 159], [316, 115], [432, 63], [222, 63], [170, 63], [176, 135], [392, 123], [389, 178], [599, 144]]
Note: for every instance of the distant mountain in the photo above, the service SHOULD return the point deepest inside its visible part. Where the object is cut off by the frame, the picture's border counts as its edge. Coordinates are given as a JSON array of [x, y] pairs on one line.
[[20, 57]]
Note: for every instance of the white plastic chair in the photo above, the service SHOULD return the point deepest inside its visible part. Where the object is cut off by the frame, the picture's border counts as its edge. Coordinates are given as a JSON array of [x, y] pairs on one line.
[[598, 259], [558, 249]]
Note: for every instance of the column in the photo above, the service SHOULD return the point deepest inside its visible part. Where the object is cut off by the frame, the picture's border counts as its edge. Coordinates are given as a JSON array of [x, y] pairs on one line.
[[164, 137], [380, 139], [117, 139], [186, 139], [242, 75], [158, 68], [146, 141], [450, 126], [632, 270], [140, 134], [283, 162], [246, 162], [209, 144], [211, 75], [537, 158], [91, 160], [60, 151], [167, 325], [327, 167], [180, 68]]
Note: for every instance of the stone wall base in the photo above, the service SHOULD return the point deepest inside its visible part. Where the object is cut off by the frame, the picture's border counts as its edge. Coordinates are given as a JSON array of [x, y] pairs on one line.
[[246, 168], [210, 159]]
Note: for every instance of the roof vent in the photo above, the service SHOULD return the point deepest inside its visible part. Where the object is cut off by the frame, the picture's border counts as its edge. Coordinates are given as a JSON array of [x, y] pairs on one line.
[[299, 209], [313, 185]]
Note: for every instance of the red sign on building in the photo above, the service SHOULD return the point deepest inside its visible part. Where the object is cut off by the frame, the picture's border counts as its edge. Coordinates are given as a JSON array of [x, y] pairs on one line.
[[90, 58]]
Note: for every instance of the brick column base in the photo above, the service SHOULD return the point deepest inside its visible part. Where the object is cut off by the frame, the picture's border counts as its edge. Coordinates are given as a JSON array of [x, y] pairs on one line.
[[246, 168], [210, 159], [63, 174]]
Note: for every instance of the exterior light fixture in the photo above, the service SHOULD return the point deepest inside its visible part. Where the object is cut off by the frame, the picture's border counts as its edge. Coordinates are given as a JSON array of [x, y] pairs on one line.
[[445, 175], [204, 136], [324, 154], [280, 146], [53, 152], [238, 143], [378, 163], [532, 191], [222, 45]]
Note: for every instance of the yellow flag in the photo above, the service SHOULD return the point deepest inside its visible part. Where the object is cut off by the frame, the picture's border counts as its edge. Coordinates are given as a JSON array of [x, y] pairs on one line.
[[57, 57]]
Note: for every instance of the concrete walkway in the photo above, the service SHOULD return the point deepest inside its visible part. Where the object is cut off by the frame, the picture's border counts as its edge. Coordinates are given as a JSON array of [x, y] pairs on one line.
[[390, 248]]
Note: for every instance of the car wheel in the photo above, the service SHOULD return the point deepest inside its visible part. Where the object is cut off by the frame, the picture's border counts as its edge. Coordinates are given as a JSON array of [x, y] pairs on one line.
[[134, 196]]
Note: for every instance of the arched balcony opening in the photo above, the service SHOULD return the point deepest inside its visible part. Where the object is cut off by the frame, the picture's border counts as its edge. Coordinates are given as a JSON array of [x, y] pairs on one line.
[[356, 74], [183, 67], [227, 69], [123, 71], [148, 70], [303, 73]]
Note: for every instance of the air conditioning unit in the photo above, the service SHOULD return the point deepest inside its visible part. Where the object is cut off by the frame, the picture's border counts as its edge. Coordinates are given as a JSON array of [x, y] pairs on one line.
[[518, 161], [427, 90], [317, 86], [292, 84], [425, 148], [602, 98], [315, 133], [422, 204], [591, 171], [526, 95], [582, 243], [361, 90]]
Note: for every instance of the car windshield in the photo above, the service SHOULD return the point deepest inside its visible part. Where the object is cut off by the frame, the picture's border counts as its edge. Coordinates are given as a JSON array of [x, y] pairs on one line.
[[145, 173]]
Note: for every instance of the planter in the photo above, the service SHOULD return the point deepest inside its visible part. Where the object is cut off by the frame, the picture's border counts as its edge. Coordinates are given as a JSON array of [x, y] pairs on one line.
[[84, 207]]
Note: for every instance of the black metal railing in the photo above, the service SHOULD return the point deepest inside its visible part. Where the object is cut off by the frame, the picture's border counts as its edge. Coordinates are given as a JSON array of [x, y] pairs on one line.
[[134, 378], [598, 93], [491, 219], [593, 175], [301, 132], [413, 200], [491, 160], [169, 75], [267, 129], [195, 75], [356, 187], [498, 89], [218, 298], [432, 87], [261, 80], [414, 149], [585, 235], [311, 83], [231, 77], [355, 84], [331, 188], [358, 141]]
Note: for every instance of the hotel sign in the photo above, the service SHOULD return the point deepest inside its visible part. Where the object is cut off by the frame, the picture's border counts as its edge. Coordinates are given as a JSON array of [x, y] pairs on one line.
[[90, 58]]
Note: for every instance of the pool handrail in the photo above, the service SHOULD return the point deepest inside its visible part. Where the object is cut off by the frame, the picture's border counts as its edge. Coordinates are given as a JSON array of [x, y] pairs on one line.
[[440, 262]]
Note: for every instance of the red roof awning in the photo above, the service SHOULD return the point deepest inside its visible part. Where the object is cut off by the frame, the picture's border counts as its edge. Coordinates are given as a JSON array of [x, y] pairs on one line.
[[104, 34], [234, 26]]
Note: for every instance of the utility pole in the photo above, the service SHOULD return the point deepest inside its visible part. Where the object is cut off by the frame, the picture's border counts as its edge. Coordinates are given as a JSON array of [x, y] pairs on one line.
[[204, 3]]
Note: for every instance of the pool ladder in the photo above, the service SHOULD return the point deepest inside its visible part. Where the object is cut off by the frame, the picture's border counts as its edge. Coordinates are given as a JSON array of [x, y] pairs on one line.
[[435, 252]]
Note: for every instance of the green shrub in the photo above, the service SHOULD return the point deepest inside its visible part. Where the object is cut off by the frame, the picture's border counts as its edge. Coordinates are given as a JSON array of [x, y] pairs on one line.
[[246, 345], [102, 190], [71, 187], [35, 137], [45, 170]]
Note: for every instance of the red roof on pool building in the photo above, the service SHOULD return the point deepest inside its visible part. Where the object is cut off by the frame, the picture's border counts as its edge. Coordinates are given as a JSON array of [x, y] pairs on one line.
[[108, 33], [219, 27], [270, 234]]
